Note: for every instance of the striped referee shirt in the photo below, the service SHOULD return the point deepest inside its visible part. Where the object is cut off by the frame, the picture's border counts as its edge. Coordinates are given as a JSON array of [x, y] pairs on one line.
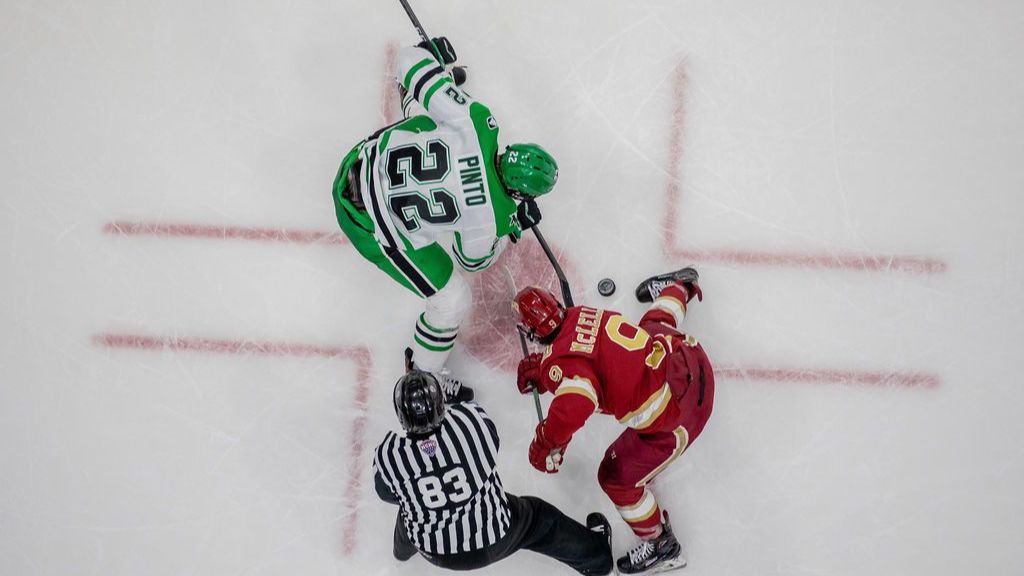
[[446, 484]]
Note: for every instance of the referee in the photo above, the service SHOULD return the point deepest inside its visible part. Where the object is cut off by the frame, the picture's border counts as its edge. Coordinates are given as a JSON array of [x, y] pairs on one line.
[[452, 507]]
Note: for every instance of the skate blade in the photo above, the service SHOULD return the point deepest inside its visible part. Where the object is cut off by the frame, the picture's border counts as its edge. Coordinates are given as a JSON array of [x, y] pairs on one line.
[[668, 566]]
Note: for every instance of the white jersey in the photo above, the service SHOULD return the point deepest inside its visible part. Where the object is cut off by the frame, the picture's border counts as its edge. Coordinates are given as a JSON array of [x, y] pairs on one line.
[[431, 178]]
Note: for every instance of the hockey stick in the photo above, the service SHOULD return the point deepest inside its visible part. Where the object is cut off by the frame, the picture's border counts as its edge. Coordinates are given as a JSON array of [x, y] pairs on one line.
[[522, 343], [415, 20], [419, 29], [562, 281], [536, 395]]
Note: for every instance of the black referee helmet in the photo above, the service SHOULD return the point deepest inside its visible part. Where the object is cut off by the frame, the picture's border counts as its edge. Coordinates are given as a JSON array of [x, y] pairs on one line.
[[419, 402]]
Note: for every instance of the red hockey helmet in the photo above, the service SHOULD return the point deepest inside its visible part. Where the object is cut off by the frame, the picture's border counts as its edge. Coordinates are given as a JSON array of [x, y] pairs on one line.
[[539, 312]]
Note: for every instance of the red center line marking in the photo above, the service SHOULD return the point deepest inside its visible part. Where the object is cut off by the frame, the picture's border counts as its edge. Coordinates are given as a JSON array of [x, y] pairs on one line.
[[831, 376], [221, 232], [354, 488], [359, 354], [389, 97], [861, 262], [844, 261]]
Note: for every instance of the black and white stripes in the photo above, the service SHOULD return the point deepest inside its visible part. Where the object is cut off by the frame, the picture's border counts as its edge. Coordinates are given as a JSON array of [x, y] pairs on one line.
[[447, 486]]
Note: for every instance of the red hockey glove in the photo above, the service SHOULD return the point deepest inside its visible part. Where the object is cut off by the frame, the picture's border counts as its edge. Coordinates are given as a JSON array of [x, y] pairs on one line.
[[693, 290], [544, 455], [529, 376]]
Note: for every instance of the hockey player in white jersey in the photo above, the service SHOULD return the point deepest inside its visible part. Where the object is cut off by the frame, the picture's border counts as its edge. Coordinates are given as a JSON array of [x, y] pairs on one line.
[[434, 191]]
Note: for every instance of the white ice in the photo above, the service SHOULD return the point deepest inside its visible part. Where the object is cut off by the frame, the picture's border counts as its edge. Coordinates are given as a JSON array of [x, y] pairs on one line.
[[807, 127]]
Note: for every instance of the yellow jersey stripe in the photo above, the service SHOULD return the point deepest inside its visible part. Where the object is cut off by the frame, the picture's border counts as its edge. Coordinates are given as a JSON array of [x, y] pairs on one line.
[[649, 411], [580, 386], [682, 441], [640, 511], [673, 306]]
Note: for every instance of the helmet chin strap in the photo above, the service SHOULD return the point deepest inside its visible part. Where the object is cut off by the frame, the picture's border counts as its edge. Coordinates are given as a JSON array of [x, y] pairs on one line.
[[530, 334]]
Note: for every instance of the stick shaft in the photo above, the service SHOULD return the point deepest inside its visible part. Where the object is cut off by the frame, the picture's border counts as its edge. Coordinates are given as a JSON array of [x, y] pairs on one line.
[[420, 30], [536, 395], [415, 20], [562, 282]]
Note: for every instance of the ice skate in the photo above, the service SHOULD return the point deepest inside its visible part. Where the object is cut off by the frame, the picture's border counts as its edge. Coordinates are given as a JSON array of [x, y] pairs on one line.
[[651, 288], [454, 390], [654, 556]]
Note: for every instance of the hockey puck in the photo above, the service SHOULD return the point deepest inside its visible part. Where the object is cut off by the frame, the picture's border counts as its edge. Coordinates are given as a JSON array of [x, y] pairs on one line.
[[459, 75], [606, 287]]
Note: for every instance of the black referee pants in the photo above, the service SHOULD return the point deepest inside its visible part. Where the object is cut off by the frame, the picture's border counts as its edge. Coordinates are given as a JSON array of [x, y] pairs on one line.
[[537, 526]]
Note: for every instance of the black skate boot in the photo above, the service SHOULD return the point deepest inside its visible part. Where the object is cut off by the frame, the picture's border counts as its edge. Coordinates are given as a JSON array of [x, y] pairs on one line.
[[654, 556], [651, 288], [596, 522], [454, 390]]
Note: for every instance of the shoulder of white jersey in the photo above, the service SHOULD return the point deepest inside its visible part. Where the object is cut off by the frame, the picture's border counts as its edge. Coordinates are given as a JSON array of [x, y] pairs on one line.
[[414, 124]]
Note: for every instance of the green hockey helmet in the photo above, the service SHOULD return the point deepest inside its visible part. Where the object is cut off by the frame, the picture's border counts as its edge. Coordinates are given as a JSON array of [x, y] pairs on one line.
[[527, 170]]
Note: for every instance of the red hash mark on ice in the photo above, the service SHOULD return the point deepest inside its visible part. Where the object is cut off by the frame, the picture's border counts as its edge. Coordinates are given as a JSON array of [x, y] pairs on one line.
[[849, 261], [223, 232], [830, 376], [389, 96], [359, 354], [389, 113]]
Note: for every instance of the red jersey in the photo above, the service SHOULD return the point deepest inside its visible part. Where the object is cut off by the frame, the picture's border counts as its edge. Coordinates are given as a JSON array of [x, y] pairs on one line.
[[599, 362]]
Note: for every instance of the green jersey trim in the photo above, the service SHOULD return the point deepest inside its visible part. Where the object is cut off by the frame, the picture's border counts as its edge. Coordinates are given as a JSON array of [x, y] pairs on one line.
[[423, 320], [462, 252], [503, 205], [432, 347], [471, 267], [412, 71], [416, 124], [470, 264], [432, 89]]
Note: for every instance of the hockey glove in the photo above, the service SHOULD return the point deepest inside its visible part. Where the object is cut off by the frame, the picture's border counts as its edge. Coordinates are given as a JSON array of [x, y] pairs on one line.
[[693, 291], [528, 214], [528, 376], [459, 75], [545, 455], [441, 47]]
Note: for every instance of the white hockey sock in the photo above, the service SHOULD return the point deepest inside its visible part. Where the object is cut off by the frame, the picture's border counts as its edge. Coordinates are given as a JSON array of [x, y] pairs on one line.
[[438, 326]]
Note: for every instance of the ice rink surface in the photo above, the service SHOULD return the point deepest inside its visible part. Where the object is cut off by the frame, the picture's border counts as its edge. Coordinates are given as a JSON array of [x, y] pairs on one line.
[[196, 367]]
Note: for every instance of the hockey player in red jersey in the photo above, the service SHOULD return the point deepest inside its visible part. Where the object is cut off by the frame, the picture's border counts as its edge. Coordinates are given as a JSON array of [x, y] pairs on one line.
[[653, 378]]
